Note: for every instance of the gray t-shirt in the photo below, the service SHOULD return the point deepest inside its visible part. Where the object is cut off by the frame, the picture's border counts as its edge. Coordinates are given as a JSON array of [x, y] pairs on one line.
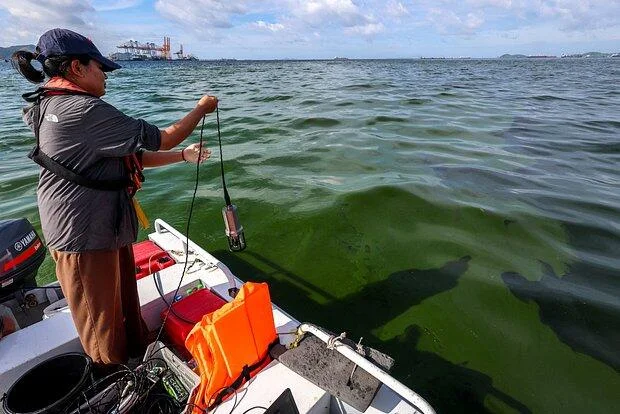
[[80, 131]]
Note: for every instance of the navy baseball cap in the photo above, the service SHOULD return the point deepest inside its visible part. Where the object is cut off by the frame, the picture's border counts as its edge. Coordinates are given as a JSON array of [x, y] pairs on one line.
[[59, 42]]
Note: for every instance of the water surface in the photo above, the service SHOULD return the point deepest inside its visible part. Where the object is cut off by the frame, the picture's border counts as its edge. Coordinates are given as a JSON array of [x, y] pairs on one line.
[[461, 215]]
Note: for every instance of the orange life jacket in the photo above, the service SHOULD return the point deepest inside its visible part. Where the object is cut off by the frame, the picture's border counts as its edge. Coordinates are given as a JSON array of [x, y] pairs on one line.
[[232, 343]]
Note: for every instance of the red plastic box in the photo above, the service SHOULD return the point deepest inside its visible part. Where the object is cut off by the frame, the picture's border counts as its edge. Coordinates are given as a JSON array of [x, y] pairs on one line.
[[192, 308], [150, 258]]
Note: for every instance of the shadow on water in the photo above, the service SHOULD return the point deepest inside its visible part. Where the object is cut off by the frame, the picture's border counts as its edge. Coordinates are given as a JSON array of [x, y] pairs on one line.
[[448, 387], [378, 303], [581, 306]]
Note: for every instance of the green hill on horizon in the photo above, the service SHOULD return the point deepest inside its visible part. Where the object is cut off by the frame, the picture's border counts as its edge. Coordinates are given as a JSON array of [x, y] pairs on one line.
[[509, 56]]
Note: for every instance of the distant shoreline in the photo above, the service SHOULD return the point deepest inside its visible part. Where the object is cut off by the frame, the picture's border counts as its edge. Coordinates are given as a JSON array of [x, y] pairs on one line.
[[348, 60], [6, 52]]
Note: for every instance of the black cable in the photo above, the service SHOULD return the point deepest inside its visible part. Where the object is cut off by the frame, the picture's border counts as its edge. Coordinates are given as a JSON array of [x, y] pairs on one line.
[[139, 385], [147, 364], [218, 394], [253, 408], [162, 346], [107, 389], [169, 305], [170, 404], [219, 138], [194, 407], [189, 219]]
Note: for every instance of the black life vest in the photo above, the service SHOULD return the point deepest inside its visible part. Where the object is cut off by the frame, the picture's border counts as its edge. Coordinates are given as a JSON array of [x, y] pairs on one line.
[[61, 170]]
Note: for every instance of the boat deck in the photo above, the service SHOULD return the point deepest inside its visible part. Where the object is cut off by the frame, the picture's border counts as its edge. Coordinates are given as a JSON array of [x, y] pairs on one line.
[[56, 334]]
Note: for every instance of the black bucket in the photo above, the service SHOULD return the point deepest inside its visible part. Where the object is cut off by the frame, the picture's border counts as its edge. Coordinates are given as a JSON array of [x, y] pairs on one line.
[[50, 386]]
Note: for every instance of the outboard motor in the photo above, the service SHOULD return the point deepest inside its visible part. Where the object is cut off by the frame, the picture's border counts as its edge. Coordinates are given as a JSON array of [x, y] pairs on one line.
[[21, 254]]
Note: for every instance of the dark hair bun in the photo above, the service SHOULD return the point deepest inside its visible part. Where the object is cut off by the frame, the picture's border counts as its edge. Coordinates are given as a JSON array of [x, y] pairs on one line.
[[22, 62]]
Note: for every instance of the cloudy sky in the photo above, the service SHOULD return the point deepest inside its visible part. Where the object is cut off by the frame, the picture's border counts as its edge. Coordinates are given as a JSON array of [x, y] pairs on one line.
[[279, 29]]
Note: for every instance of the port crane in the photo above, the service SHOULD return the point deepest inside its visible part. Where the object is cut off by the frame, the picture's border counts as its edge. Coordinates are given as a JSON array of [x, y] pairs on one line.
[[148, 49]]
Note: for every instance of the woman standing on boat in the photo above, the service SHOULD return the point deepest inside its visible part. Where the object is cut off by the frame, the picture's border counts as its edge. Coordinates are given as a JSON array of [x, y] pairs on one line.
[[90, 151]]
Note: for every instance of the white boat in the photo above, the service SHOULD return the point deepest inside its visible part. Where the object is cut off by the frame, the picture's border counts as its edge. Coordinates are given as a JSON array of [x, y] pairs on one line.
[[51, 332]]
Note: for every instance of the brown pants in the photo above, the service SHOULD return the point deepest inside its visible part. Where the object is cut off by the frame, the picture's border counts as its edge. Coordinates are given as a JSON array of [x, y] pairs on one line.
[[100, 287]]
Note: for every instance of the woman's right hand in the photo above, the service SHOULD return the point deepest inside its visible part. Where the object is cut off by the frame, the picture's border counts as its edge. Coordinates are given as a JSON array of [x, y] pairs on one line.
[[207, 104]]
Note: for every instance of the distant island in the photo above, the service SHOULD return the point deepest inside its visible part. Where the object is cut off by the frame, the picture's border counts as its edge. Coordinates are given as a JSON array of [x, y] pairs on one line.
[[507, 56], [588, 55], [592, 55], [6, 52]]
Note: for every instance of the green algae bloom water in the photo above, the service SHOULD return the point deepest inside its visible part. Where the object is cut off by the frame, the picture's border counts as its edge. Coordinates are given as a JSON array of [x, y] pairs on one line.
[[460, 215]]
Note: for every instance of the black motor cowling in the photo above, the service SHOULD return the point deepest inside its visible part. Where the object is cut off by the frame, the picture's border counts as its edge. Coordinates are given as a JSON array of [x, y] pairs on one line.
[[21, 254]]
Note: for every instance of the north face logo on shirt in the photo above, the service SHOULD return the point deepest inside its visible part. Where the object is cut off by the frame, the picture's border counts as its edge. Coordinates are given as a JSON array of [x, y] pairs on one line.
[[51, 118]]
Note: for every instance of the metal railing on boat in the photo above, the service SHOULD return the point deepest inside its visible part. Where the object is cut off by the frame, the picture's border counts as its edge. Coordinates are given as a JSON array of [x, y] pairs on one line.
[[405, 392]]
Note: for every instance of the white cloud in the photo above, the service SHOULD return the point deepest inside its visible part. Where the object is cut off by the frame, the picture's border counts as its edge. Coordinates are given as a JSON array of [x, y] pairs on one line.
[[545, 34], [582, 15], [322, 12], [68, 11], [396, 9], [473, 21], [338, 7], [313, 26], [201, 15], [26, 20], [448, 22], [305, 17], [367, 30], [273, 27], [570, 15], [105, 5], [494, 3], [311, 20]]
